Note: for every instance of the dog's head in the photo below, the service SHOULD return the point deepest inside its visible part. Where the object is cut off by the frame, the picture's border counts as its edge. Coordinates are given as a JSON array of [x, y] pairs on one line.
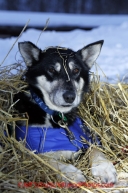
[[61, 74]]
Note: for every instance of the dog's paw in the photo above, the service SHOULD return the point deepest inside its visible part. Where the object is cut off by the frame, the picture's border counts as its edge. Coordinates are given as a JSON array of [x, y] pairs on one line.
[[103, 170], [71, 173]]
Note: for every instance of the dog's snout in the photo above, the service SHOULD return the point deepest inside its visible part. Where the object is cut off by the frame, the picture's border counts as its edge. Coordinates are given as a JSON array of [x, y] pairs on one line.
[[69, 96]]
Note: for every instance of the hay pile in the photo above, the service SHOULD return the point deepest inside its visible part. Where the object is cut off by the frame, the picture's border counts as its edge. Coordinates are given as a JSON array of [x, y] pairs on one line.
[[104, 110]]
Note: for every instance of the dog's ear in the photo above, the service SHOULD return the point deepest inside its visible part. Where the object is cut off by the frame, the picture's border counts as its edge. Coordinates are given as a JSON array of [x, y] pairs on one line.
[[29, 52], [90, 53]]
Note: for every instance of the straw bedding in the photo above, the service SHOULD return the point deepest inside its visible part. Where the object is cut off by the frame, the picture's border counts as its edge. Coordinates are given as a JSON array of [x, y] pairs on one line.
[[104, 110]]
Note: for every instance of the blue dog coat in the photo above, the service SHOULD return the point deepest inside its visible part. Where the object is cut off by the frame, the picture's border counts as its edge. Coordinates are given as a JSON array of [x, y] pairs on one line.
[[42, 139]]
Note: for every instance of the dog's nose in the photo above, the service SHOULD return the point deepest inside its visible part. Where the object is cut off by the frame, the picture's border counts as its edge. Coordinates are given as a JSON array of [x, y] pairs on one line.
[[69, 96]]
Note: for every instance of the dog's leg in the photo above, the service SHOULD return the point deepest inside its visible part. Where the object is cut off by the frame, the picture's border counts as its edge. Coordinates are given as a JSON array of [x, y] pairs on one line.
[[70, 171], [102, 169]]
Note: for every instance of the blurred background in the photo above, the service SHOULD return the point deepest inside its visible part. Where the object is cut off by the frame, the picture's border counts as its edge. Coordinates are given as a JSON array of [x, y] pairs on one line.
[[72, 24], [67, 6], [11, 24]]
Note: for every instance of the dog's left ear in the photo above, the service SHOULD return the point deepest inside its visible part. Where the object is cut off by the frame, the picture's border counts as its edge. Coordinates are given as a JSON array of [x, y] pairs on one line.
[[90, 53], [29, 52]]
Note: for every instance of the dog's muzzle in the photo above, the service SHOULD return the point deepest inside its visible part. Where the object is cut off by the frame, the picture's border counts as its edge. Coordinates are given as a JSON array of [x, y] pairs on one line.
[[69, 96]]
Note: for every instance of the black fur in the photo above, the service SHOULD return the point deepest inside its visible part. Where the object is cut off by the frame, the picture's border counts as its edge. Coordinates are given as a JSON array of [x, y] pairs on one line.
[[41, 64], [35, 114]]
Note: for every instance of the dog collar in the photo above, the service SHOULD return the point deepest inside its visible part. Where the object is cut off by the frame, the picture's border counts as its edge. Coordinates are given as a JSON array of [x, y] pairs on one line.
[[45, 108], [42, 105]]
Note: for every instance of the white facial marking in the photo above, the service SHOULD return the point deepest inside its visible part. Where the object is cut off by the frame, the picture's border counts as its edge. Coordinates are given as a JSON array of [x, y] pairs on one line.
[[53, 93], [79, 86], [47, 89], [57, 66], [71, 65]]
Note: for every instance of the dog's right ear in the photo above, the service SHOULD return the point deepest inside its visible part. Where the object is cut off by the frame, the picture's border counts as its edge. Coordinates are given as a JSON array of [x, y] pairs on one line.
[[29, 52], [90, 53]]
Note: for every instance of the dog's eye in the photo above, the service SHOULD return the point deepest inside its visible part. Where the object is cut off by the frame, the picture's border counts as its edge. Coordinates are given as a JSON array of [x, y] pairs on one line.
[[51, 69], [76, 70]]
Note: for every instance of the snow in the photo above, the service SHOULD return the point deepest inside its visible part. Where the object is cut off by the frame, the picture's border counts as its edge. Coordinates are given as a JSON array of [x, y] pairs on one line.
[[113, 59]]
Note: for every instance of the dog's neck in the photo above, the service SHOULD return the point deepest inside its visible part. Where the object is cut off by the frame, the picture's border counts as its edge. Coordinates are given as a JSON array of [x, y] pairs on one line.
[[63, 122], [42, 104], [52, 117]]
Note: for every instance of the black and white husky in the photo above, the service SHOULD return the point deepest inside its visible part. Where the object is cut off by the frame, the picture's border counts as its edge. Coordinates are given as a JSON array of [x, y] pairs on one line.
[[57, 79]]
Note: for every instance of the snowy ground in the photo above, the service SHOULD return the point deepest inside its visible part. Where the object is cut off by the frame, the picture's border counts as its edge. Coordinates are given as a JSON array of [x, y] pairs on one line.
[[113, 59]]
